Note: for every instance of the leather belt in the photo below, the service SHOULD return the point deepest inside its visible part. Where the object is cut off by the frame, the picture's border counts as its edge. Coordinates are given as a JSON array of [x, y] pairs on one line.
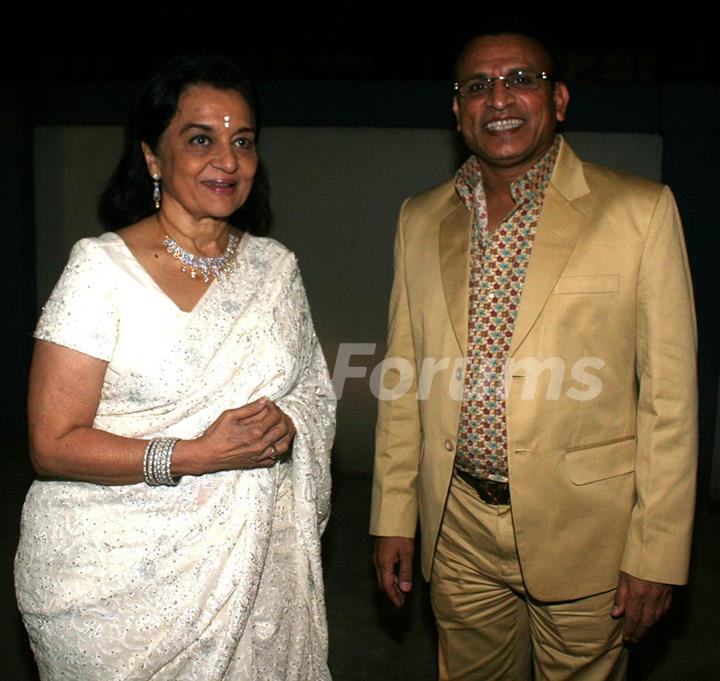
[[490, 491]]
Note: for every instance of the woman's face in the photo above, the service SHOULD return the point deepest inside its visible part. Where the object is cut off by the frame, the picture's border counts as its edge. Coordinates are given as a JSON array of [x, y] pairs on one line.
[[206, 157]]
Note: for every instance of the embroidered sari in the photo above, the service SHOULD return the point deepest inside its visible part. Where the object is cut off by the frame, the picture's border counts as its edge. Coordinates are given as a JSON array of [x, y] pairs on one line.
[[219, 577]]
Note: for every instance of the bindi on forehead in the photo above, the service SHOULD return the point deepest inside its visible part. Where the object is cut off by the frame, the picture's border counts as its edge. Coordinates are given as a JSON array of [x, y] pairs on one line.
[[213, 108]]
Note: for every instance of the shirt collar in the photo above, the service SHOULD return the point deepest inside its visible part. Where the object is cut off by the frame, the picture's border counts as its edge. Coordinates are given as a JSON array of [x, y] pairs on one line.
[[528, 187]]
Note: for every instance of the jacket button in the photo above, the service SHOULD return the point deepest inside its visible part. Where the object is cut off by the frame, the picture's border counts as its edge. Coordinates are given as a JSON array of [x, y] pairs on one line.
[[458, 374], [449, 445]]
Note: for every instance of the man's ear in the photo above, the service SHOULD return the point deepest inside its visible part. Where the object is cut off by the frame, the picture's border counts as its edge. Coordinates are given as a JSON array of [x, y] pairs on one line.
[[561, 99], [456, 111]]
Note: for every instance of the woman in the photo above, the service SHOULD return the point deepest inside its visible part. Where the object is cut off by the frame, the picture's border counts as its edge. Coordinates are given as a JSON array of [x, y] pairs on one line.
[[181, 418]]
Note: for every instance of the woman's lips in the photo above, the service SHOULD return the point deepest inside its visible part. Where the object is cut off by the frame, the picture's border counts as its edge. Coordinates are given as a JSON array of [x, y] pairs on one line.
[[221, 186]]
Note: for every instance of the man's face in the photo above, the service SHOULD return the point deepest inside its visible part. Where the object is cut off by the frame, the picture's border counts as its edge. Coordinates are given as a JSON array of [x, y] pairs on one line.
[[508, 130]]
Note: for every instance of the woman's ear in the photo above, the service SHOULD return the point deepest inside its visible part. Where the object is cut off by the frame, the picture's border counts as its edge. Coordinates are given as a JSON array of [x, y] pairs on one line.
[[153, 164]]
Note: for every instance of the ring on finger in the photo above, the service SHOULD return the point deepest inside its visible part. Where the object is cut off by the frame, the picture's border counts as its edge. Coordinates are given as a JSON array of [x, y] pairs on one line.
[[274, 452]]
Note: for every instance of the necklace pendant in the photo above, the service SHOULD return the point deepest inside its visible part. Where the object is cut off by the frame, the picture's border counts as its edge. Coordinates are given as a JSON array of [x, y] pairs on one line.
[[219, 266]]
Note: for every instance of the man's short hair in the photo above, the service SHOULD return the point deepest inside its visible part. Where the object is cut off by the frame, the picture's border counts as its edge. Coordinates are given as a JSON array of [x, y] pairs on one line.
[[521, 30]]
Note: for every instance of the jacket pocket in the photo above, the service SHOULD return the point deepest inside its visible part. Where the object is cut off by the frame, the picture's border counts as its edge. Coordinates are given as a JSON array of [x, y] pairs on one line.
[[608, 283], [601, 461]]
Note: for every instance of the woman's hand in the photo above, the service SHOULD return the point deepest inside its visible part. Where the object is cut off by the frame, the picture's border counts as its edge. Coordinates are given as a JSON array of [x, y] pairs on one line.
[[255, 435], [65, 388]]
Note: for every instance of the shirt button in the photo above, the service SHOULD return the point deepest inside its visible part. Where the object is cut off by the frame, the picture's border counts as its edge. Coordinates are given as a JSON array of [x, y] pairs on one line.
[[449, 445]]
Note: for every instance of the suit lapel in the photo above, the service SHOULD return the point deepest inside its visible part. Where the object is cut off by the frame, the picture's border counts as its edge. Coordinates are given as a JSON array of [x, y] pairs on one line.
[[454, 249], [557, 232]]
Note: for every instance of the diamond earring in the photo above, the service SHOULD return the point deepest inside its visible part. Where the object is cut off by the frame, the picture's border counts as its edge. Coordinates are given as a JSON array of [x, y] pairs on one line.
[[156, 196]]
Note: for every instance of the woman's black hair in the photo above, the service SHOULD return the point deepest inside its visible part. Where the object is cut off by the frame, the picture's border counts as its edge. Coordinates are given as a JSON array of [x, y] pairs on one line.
[[128, 195]]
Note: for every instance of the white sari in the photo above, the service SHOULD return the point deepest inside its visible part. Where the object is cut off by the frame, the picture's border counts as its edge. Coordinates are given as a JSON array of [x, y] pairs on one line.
[[219, 577]]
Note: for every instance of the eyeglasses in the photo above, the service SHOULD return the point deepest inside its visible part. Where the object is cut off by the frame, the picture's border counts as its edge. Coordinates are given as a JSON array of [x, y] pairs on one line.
[[519, 81]]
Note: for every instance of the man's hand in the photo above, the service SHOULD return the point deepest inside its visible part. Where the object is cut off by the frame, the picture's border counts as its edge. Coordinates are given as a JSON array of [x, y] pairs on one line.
[[391, 552], [643, 603]]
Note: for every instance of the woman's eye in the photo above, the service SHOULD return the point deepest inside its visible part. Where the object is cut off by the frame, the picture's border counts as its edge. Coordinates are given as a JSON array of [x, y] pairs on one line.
[[200, 140], [244, 142]]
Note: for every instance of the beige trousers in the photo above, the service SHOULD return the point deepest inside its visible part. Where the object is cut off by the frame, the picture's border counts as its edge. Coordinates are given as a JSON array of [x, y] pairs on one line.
[[490, 628]]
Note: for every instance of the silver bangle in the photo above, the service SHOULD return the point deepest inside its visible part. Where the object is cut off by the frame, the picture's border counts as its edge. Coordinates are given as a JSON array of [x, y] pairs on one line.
[[157, 462]]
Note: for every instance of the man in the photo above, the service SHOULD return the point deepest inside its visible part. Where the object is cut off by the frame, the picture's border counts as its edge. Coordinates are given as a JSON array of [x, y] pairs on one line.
[[548, 438]]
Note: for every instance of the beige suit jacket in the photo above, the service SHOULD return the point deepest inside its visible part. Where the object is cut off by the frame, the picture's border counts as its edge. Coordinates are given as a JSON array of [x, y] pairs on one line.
[[601, 387]]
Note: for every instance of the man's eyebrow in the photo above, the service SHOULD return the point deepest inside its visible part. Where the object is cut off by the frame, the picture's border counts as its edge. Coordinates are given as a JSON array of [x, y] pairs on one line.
[[509, 71]]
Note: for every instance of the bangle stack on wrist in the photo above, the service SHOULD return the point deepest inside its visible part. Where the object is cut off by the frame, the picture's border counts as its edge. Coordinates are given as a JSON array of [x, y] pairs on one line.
[[158, 460]]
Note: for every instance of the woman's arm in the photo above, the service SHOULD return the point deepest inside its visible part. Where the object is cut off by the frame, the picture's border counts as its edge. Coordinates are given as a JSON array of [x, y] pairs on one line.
[[64, 394]]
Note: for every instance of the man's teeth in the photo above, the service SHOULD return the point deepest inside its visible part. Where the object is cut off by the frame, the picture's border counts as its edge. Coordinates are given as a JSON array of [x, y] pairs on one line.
[[507, 124]]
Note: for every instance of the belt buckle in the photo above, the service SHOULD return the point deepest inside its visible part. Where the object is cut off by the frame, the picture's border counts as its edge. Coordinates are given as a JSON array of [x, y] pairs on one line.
[[492, 492]]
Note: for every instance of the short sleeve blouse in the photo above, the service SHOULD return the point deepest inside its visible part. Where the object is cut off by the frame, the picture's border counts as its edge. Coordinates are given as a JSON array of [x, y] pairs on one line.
[[81, 313]]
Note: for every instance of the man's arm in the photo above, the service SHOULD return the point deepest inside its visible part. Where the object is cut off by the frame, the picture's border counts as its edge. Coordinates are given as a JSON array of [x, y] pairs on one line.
[[658, 545], [397, 454]]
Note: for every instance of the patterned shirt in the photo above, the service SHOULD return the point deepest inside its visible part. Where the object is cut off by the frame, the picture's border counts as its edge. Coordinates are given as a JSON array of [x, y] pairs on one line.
[[498, 262]]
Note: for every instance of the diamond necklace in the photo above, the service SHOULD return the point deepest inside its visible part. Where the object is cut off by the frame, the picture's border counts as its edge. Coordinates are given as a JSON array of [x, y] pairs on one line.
[[219, 266]]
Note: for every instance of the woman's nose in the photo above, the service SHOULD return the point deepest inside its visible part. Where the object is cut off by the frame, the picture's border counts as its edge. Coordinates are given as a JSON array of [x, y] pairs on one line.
[[225, 158]]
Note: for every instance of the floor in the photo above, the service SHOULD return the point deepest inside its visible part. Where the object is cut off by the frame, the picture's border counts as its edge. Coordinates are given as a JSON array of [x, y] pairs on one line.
[[371, 640]]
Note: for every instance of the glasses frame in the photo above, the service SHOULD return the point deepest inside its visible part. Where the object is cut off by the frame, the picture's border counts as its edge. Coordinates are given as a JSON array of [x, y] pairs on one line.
[[505, 80]]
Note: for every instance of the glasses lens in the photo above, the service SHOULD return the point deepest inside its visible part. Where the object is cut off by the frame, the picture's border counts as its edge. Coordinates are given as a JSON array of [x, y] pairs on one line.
[[477, 87], [524, 81]]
